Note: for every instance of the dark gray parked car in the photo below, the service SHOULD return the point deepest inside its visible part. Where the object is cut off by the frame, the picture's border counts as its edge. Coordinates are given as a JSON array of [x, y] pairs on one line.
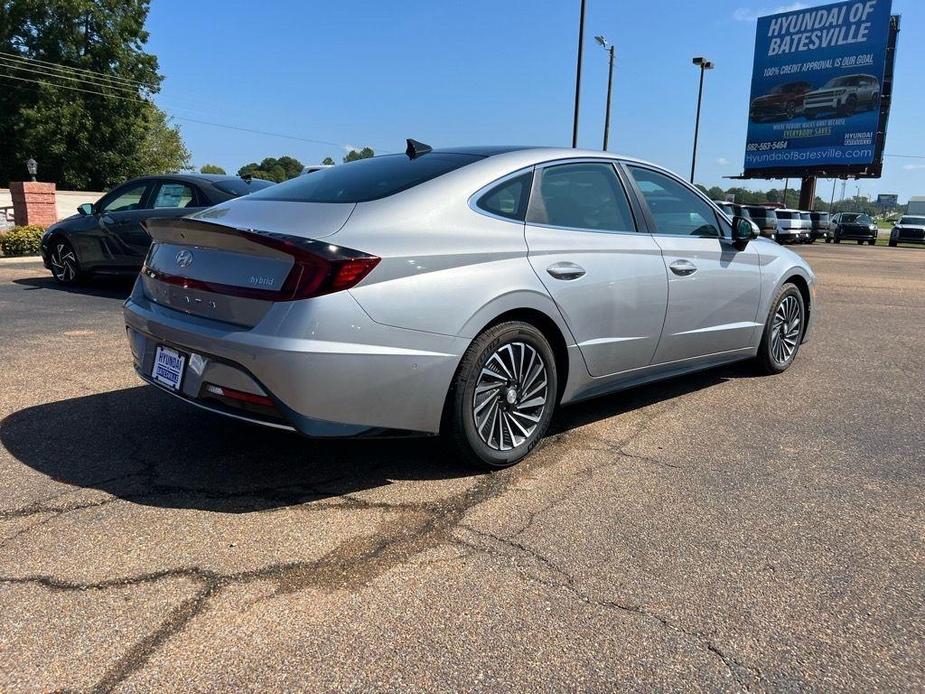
[[106, 237]]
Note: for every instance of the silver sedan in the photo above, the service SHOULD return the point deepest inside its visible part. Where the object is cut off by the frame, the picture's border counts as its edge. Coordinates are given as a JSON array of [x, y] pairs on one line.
[[467, 292]]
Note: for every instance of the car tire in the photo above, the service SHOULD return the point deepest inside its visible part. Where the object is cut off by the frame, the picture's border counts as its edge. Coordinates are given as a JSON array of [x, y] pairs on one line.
[[872, 242], [63, 261], [836, 240], [892, 244], [498, 409], [828, 240], [860, 243], [783, 331]]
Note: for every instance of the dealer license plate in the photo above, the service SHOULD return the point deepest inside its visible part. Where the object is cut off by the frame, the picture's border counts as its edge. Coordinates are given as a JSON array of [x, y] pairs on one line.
[[168, 367]]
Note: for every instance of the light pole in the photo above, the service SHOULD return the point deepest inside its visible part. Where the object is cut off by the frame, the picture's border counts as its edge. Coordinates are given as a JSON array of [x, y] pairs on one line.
[[703, 64], [609, 48], [581, 42], [32, 167]]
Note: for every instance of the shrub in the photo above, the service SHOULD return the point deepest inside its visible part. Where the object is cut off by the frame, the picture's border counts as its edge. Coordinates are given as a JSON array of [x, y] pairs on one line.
[[25, 240]]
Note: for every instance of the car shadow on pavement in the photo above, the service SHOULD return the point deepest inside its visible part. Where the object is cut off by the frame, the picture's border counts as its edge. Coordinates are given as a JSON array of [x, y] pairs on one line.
[[105, 287], [141, 445]]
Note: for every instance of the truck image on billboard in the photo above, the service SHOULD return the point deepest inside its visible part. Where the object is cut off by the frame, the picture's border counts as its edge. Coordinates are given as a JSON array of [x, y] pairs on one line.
[[816, 87]]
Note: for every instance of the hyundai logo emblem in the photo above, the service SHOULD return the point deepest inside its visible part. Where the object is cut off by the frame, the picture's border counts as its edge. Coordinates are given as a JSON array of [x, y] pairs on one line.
[[184, 258]]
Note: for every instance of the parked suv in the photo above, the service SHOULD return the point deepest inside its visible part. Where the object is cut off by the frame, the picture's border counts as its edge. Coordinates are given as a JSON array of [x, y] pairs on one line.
[[791, 228], [820, 227], [909, 229], [765, 218], [843, 96], [784, 101], [854, 226]]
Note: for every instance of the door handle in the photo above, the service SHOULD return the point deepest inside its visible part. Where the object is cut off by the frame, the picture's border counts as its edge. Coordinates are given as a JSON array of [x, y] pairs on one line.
[[683, 268], [106, 219], [566, 271]]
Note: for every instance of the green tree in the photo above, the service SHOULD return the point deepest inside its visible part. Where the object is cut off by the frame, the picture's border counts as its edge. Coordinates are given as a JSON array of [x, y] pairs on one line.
[[81, 139], [272, 169], [364, 153], [715, 193], [327, 161], [211, 169]]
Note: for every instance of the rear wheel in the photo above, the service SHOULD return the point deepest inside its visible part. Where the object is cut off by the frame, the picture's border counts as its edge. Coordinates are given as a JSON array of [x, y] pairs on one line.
[[65, 267], [872, 242], [783, 331], [860, 243], [892, 244], [503, 396]]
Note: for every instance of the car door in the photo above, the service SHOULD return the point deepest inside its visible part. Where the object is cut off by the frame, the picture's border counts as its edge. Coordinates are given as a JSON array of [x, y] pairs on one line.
[[713, 288], [607, 279], [119, 216]]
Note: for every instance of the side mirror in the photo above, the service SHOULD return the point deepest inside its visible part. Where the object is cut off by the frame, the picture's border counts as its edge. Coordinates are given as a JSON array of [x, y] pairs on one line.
[[743, 231], [86, 209]]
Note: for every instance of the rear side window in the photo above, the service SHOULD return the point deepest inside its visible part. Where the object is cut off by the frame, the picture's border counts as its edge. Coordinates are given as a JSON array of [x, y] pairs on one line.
[[508, 199], [366, 179], [760, 213], [582, 196], [784, 215], [173, 195]]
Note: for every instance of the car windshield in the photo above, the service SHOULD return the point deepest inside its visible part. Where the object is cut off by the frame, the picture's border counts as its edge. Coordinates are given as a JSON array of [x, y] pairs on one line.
[[819, 216], [761, 213], [838, 82], [917, 221], [366, 179], [239, 186], [850, 218]]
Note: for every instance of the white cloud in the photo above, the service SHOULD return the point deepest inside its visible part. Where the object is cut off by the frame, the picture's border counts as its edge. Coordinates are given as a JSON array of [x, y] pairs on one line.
[[722, 161], [348, 148], [913, 167], [747, 14]]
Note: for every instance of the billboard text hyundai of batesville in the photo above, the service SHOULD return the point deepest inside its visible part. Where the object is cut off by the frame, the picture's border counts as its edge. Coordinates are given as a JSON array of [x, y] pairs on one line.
[[816, 86]]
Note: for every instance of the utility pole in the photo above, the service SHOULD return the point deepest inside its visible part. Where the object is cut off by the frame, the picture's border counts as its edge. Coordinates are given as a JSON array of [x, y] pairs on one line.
[[581, 41]]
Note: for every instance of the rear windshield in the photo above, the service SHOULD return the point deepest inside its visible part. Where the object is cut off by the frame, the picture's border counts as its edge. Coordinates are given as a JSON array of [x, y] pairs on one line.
[[819, 216], [366, 179], [787, 215], [238, 186], [805, 216], [761, 213]]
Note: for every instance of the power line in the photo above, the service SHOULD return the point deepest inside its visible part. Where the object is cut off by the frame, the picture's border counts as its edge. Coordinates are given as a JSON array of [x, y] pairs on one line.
[[183, 118], [85, 80], [59, 66]]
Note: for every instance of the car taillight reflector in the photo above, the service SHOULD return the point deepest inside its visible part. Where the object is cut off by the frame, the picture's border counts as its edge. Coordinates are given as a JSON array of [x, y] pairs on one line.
[[239, 395]]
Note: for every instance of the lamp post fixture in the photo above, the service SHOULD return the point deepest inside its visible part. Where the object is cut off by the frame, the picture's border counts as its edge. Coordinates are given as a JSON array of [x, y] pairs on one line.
[[703, 64], [32, 167], [609, 48]]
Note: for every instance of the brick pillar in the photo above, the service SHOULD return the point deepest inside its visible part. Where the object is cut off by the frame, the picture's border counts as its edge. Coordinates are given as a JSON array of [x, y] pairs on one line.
[[33, 203]]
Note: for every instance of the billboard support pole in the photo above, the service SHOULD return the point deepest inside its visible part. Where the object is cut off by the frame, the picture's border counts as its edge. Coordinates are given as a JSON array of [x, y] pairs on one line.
[[808, 193], [832, 201], [786, 186]]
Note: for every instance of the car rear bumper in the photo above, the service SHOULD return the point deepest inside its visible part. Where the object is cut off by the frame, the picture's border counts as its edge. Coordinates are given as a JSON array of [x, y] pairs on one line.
[[327, 368]]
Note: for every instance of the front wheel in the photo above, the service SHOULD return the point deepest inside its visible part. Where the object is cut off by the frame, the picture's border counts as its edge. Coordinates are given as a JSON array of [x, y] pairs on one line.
[[783, 331], [892, 244], [837, 239], [65, 267], [872, 242], [503, 396], [860, 243]]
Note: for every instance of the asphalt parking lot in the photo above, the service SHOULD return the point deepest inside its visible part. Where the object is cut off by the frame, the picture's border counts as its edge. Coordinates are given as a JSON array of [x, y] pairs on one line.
[[723, 531]]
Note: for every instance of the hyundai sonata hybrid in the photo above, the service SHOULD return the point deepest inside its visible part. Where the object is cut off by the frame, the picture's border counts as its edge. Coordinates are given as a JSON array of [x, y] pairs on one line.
[[467, 292]]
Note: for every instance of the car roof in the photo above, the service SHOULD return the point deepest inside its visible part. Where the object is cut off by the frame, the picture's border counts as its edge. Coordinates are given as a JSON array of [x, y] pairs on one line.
[[186, 178]]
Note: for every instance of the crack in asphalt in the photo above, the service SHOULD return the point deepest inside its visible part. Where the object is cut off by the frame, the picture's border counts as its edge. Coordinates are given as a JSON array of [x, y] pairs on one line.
[[746, 676]]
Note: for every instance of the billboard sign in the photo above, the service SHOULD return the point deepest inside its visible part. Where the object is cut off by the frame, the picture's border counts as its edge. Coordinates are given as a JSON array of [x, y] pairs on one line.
[[816, 86], [887, 200]]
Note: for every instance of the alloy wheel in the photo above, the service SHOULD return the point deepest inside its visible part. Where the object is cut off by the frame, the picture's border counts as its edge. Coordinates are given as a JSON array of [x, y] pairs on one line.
[[63, 262], [510, 396], [785, 330]]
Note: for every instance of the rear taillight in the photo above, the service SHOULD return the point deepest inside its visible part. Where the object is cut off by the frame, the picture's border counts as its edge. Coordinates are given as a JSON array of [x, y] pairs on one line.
[[318, 269]]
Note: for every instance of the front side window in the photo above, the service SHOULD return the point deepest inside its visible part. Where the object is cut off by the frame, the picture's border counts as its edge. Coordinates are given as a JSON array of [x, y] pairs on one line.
[[675, 208], [173, 195], [582, 196], [508, 199], [127, 200]]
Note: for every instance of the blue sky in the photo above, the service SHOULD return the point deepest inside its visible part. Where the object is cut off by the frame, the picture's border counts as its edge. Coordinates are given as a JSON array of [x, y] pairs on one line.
[[358, 72]]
